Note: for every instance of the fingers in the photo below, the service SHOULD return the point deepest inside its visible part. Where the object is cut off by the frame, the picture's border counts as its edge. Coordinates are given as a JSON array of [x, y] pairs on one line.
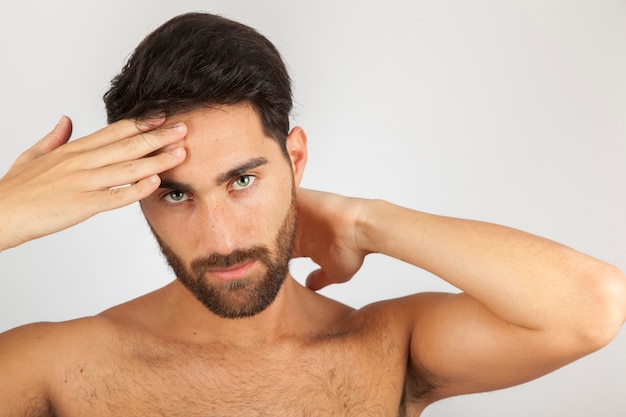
[[317, 280], [57, 137], [134, 147], [55, 184], [117, 131], [121, 141], [119, 197], [129, 172]]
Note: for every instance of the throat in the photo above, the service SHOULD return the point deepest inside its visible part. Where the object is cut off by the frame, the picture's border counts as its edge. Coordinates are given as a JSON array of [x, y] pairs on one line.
[[182, 317]]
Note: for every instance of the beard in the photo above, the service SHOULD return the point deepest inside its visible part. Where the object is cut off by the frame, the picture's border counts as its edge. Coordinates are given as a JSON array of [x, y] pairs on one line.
[[244, 297]]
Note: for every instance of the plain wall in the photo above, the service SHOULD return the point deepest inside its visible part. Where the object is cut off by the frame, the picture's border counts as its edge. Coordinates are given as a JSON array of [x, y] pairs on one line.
[[507, 111]]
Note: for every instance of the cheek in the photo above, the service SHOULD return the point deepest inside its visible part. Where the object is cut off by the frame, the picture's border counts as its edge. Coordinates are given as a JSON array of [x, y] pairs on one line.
[[268, 216], [260, 221], [167, 227]]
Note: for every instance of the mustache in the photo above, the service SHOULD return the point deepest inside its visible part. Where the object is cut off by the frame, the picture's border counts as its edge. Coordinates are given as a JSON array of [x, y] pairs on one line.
[[238, 256]]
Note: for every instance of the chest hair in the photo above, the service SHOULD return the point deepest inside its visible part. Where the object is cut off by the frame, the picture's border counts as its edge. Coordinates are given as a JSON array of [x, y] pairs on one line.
[[343, 375]]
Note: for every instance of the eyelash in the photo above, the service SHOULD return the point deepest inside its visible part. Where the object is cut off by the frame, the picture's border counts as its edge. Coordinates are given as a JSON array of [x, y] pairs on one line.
[[252, 178], [169, 193]]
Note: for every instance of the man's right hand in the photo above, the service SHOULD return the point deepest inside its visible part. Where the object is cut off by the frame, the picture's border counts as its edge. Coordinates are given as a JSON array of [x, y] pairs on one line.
[[55, 184]]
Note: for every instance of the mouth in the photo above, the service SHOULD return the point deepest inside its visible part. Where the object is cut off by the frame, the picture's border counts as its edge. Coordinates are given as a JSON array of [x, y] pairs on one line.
[[234, 272]]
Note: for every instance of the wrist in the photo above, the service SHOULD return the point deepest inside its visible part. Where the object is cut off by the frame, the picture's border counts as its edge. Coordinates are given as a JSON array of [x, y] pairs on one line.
[[367, 236], [5, 241], [9, 226]]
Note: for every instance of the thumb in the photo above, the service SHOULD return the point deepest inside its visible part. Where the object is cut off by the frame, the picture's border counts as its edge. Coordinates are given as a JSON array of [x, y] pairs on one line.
[[57, 137], [317, 280]]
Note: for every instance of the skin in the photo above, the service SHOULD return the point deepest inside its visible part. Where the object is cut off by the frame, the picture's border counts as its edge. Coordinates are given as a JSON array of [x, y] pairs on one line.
[[528, 305], [64, 184], [222, 215]]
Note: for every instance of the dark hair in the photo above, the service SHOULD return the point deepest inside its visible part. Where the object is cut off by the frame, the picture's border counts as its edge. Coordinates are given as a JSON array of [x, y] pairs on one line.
[[200, 59]]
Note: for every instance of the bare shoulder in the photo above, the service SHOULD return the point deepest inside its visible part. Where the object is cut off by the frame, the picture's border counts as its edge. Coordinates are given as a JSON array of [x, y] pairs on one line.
[[402, 313], [32, 358], [37, 347]]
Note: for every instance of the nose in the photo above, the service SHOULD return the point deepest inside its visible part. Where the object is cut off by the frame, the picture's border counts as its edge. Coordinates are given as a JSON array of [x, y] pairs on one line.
[[218, 228]]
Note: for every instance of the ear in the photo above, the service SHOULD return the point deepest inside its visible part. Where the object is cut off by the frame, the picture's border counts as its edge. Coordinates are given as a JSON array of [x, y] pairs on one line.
[[297, 151]]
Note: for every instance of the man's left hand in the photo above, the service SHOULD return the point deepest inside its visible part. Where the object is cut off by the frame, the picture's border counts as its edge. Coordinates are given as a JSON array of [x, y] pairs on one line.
[[328, 233]]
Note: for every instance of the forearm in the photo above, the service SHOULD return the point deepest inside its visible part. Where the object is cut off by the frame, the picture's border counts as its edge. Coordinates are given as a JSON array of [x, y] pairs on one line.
[[527, 280], [9, 225]]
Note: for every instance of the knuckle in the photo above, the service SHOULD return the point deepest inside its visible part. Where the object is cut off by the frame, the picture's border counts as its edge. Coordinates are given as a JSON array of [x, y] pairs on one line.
[[118, 194], [140, 144], [129, 144], [127, 194], [129, 167]]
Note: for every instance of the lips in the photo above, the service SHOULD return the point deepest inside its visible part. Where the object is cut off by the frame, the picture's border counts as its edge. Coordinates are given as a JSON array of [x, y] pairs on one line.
[[232, 273]]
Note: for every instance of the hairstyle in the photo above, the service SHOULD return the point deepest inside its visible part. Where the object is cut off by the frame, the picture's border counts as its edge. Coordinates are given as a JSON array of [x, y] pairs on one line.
[[200, 59]]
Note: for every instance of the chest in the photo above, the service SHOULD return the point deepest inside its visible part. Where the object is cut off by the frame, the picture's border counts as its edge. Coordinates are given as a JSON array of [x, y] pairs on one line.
[[330, 378]]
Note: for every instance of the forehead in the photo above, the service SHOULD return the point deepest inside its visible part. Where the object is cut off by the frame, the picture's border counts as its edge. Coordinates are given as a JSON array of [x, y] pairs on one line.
[[221, 137], [216, 127]]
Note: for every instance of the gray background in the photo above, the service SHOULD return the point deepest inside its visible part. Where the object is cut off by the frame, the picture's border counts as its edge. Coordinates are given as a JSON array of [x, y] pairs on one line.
[[507, 111]]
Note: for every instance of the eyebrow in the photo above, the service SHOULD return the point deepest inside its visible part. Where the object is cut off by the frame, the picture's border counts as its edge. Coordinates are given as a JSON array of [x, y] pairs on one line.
[[240, 169], [235, 172]]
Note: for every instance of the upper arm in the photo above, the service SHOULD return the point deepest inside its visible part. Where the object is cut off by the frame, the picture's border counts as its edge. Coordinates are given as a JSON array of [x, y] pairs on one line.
[[462, 347], [24, 363]]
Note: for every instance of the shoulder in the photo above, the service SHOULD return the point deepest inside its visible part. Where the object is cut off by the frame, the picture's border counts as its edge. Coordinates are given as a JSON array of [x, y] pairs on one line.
[[41, 345], [33, 358], [403, 313], [45, 350], [42, 337], [393, 321]]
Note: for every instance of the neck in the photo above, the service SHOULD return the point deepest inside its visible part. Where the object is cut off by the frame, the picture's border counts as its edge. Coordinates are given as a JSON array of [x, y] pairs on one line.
[[188, 317]]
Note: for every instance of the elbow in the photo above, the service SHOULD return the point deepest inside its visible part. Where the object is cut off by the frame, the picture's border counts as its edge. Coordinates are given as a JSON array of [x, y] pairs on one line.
[[605, 309]]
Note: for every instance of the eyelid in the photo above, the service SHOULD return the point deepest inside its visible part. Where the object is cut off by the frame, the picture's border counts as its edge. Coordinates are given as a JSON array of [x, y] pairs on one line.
[[252, 177], [242, 169], [169, 192]]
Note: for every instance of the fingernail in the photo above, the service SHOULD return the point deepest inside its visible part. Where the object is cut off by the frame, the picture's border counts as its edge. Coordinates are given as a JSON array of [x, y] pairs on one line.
[[177, 152], [158, 117], [179, 127], [149, 123]]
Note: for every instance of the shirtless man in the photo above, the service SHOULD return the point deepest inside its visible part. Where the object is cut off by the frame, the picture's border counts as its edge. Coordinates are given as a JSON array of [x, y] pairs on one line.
[[200, 135]]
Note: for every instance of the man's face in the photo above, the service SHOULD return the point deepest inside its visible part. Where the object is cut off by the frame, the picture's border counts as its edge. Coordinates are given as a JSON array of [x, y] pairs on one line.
[[225, 218]]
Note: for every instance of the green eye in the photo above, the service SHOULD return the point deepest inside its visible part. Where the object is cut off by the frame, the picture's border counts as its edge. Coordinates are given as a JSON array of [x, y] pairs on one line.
[[176, 197], [242, 182]]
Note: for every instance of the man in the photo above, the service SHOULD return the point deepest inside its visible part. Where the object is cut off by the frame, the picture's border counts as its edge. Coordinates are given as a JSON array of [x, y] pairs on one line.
[[200, 136]]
